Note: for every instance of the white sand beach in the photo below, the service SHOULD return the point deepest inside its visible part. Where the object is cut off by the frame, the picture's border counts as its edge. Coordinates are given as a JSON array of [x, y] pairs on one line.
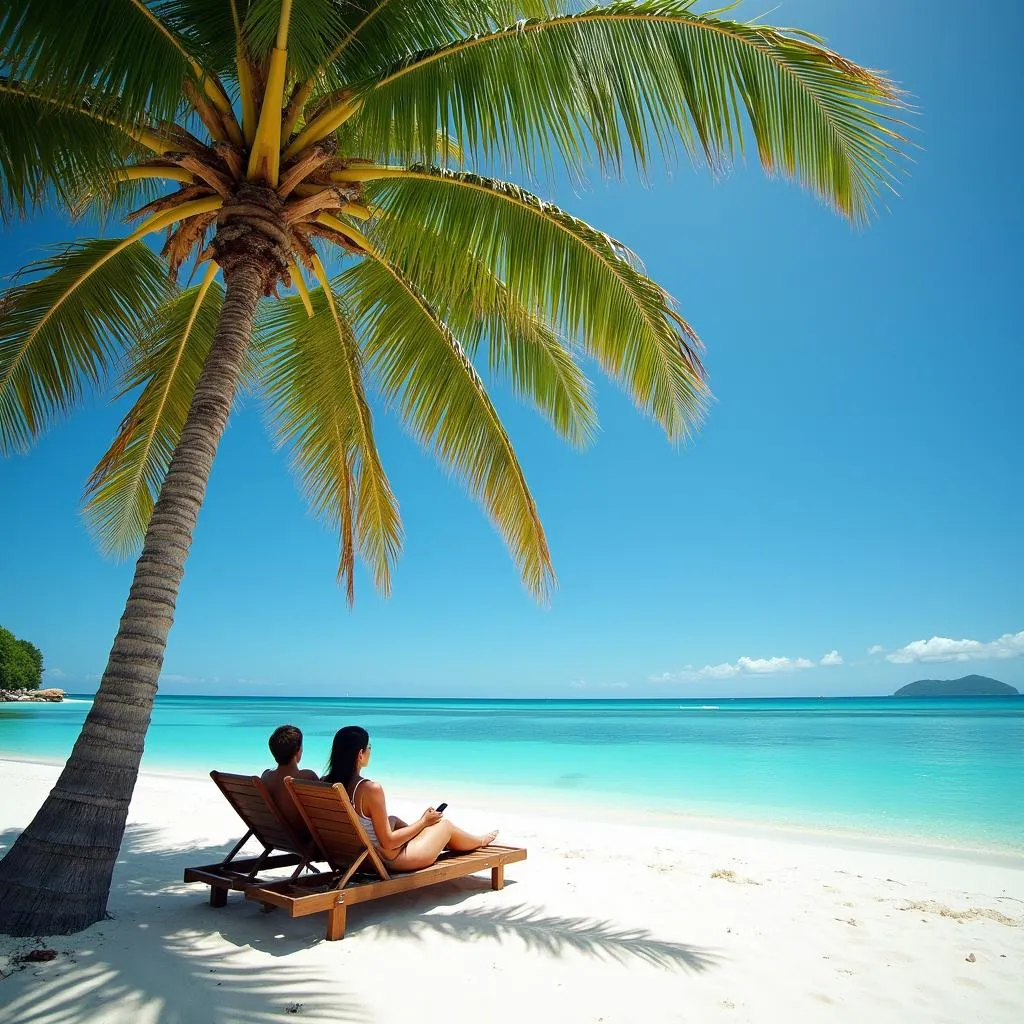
[[609, 922]]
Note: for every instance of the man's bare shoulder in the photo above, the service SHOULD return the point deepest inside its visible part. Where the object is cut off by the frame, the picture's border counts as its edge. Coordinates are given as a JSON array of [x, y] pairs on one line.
[[307, 773]]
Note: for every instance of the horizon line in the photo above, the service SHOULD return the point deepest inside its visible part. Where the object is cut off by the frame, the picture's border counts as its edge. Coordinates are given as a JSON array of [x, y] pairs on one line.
[[709, 698]]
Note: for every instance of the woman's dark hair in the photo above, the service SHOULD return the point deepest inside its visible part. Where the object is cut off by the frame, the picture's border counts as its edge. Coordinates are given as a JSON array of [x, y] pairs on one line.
[[344, 751]]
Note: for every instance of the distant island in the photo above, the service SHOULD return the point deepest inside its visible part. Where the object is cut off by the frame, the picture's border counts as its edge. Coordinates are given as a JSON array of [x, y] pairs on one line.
[[966, 686]]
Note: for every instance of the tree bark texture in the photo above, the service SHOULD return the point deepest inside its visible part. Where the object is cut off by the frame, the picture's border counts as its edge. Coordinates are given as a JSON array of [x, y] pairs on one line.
[[56, 877]]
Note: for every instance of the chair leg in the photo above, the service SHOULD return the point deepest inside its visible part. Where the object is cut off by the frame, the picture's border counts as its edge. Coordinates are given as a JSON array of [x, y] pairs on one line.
[[336, 922], [498, 877], [218, 896]]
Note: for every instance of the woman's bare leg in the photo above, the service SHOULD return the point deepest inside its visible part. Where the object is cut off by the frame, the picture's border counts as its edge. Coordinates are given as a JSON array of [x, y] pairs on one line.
[[396, 821], [422, 850], [462, 842]]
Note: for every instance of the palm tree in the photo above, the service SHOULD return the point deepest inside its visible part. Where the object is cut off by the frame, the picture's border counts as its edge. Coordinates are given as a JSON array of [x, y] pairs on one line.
[[272, 139]]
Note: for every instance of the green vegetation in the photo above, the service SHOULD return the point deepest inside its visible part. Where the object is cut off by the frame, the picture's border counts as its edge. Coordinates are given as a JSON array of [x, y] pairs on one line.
[[311, 163], [21, 663], [965, 686]]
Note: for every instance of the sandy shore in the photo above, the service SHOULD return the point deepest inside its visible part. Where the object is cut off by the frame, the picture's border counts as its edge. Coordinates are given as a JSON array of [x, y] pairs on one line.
[[610, 922]]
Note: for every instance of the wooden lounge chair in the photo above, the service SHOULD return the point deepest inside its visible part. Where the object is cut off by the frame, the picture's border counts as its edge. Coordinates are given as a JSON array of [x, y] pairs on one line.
[[357, 872], [255, 806]]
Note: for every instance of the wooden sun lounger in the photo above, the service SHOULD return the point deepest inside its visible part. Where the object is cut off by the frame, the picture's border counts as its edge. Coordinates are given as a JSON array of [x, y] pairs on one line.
[[358, 874], [255, 806]]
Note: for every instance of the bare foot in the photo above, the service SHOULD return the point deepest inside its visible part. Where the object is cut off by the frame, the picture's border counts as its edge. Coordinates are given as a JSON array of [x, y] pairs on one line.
[[487, 839]]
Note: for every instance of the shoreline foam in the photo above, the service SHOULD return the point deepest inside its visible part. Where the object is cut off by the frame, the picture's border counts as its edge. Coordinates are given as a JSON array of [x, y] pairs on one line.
[[406, 796]]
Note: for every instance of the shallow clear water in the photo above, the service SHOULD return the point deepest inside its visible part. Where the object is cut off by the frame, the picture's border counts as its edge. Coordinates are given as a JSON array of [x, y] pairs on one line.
[[950, 769]]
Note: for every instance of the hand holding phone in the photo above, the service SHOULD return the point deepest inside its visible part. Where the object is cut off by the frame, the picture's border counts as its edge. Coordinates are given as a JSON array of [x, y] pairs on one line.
[[440, 807]]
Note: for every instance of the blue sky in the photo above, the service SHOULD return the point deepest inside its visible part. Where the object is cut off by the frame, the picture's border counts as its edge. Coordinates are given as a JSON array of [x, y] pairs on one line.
[[847, 520]]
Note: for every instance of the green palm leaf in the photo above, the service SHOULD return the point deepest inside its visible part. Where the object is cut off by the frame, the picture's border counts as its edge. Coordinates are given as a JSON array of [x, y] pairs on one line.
[[118, 48], [374, 34], [425, 373], [586, 283], [60, 332], [312, 380], [61, 148], [209, 28], [522, 348], [641, 78], [166, 365], [443, 148], [312, 29]]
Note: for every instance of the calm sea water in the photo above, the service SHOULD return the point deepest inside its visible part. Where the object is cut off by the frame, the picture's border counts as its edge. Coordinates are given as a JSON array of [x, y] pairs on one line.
[[944, 769]]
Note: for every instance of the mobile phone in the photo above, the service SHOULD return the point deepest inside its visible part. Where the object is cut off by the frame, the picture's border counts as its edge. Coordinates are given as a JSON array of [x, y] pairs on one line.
[[440, 807]]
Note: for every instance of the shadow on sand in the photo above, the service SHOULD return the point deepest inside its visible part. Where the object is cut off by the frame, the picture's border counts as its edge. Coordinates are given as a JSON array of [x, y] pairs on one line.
[[175, 943], [553, 935], [414, 916], [171, 967]]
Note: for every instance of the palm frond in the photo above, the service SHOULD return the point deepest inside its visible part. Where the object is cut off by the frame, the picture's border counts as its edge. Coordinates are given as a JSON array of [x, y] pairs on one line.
[[312, 380], [114, 47], [522, 348], [442, 148], [313, 27], [212, 29], [60, 332], [209, 28], [265, 151], [376, 33], [123, 487], [125, 191], [50, 145], [587, 284], [643, 78], [425, 373]]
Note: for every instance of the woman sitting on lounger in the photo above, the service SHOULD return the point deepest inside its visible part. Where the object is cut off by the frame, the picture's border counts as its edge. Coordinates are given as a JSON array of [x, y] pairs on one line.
[[404, 847]]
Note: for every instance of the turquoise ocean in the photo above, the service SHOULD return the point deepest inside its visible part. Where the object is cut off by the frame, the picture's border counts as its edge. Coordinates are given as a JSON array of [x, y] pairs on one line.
[[950, 770]]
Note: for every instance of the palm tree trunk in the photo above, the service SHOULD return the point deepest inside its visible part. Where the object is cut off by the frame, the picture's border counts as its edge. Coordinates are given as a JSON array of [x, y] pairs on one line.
[[56, 877]]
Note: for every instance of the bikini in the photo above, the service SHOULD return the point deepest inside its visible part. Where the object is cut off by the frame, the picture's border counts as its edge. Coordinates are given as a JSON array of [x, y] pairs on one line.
[[371, 832]]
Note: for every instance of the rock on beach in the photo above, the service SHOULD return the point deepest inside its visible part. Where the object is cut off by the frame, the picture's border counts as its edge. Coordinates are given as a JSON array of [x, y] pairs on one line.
[[8, 696]]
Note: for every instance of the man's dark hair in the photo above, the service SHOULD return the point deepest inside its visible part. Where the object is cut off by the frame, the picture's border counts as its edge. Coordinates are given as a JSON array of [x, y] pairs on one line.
[[285, 742]]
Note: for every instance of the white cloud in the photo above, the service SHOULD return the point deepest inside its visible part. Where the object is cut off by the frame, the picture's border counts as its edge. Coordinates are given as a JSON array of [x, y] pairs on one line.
[[55, 673], [741, 667], [875, 649], [723, 671], [832, 658], [942, 648], [762, 666]]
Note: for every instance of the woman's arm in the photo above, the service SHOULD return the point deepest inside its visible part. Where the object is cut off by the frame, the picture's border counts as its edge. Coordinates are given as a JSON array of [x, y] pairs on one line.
[[375, 808]]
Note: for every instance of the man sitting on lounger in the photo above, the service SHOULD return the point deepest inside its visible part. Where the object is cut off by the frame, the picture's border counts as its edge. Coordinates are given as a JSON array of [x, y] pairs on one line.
[[286, 746]]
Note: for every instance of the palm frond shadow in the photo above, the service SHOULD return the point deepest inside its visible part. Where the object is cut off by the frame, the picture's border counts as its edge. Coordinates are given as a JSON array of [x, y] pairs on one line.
[[554, 935], [150, 866], [92, 974]]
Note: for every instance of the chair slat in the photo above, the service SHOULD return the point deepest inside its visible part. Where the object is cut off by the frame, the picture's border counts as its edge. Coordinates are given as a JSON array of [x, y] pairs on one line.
[[254, 805], [334, 824]]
